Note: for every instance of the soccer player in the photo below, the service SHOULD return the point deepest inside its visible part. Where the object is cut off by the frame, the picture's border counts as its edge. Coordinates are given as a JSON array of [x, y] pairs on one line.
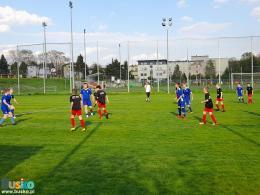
[[5, 107], [220, 98], [147, 88], [75, 102], [11, 97], [180, 101], [101, 98], [208, 108], [188, 96], [250, 93], [240, 93], [86, 96]]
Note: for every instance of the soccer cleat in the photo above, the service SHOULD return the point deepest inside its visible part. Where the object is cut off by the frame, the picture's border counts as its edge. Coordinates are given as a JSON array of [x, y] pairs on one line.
[[107, 116], [13, 124], [223, 110], [214, 124], [217, 109], [83, 130], [92, 114], [179, 116], [73, 129], [201, 123], [87, 116]]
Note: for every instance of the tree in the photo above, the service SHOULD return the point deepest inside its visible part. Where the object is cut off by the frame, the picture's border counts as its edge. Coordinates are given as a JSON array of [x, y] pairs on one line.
[[80, 66], [113, 69], [23, 69], [177, 73], [14, 68], [3, 66], [210, 72]]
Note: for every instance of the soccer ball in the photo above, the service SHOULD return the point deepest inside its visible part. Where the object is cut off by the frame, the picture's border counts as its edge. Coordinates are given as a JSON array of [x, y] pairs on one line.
[[12, 107]]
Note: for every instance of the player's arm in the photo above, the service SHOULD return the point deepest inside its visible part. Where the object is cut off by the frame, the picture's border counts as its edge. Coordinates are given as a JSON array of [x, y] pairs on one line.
[[221, 95], [252, 92], [191, 96], [15, 101], [4, 101]]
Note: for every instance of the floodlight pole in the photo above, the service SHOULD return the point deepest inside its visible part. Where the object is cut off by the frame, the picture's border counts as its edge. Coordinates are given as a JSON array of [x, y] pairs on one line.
[[219, 77], [252, 62], [167, 23], [44, 25], [71, 33], [157, 62], [128, 64], [120, 74], [85, 54], [18, 67], [98, 61]]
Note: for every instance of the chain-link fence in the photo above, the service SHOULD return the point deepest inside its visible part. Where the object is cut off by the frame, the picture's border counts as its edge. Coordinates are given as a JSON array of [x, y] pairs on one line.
[[126, 66]]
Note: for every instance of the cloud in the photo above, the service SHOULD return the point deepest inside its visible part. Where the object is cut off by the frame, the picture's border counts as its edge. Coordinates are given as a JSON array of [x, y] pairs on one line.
[[219, 3], [11, 17], [251, 1], [256, 13], [182, 3], [102, 27], [187, 19], [203, 28]]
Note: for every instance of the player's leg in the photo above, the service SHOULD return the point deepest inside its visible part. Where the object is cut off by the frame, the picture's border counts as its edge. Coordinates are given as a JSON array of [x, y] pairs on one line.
[[86, 109], [5, 116], [213, 118], [99, 110], [179, 110], [250, 99], [217, 106], [91, 110], [82, 123], [222, 106], [204, 118], [189, 106], [72, 120], [183, 110], [10, 115], [148, 96]]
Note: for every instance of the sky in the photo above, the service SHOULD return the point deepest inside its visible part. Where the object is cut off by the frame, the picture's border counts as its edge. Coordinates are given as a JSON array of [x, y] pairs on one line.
[[114, 21]]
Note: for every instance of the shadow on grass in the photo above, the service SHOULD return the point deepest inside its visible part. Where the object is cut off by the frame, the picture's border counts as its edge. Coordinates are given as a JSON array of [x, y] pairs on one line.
[[21, 120], [63, 161], [174, 114], [242, 136], [11, 156], [23, 114], [253, 113]]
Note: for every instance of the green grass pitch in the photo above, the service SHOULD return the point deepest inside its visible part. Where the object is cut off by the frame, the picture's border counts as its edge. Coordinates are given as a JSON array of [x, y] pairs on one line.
[[142, 149]]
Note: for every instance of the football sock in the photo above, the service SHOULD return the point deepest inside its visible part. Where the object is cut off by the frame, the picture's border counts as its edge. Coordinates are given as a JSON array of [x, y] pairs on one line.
[[190, 109], [2, 121], [223, 107], [105, 111], [12, 112], [184, 111], [82, 123], [179, 109], [217, 106], [213, 118], [12, 120], [72, 122], [91, 110], [204, 118], [100, 113]]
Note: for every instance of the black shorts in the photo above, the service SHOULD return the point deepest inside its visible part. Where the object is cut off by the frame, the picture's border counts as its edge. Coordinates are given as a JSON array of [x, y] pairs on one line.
[[148, 94]]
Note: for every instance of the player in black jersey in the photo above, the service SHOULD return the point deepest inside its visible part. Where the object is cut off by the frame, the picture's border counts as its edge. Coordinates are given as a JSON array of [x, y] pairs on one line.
[[250, 93], [101, 98], [75, 102], [208, 108], [220, 98]]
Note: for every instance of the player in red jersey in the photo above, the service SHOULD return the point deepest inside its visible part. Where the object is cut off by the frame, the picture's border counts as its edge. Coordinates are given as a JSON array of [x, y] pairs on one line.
[[208, 108], [75, 101], [101, 98], [250, 93], [220, 98]]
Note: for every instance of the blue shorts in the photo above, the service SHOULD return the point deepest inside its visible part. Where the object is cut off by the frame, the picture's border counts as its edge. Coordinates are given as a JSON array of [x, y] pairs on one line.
[[87, 103], [181, 104], [187, 101], [5, 110], [239, 95]]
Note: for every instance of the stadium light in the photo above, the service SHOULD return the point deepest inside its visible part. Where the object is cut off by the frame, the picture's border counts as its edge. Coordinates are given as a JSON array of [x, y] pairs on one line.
[[85, 54], [167, 23], [120, 74], [44, 25], [72, 60]]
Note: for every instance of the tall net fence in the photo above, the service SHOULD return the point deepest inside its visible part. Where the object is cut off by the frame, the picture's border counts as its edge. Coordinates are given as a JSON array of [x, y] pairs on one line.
[[126, 66]]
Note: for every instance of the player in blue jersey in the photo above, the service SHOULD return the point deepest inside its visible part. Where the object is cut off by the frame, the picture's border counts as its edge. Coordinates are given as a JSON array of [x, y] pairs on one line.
[[188, 96], [86, 97], [11, 97], [6, 108], [180, 101], [240, 93]]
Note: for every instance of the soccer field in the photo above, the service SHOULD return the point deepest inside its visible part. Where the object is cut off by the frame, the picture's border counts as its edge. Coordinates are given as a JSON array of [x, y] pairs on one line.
[[142, 149]]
